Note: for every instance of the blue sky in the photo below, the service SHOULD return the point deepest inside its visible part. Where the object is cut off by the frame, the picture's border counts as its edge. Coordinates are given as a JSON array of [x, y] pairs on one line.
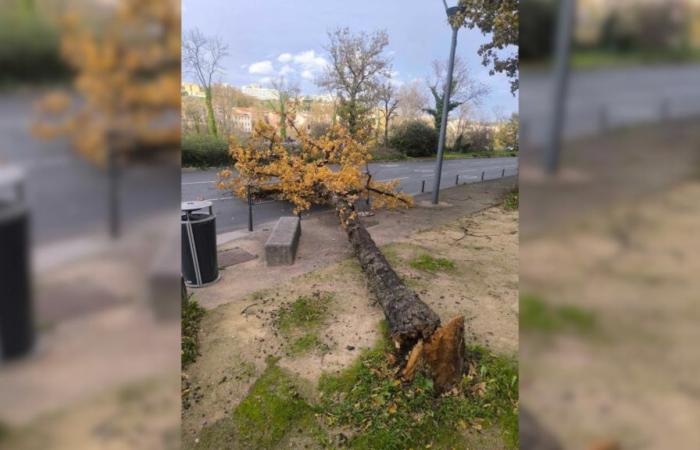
[[267, 38]]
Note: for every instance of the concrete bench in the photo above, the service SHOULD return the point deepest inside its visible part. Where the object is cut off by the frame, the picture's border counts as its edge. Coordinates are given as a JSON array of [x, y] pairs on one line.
[[281, 246]]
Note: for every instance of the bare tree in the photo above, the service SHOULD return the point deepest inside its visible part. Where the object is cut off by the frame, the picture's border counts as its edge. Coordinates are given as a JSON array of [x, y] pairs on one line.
[[389, 102], [202, 56], [412, 100], [465, 89], [357, 67], [286, 93]]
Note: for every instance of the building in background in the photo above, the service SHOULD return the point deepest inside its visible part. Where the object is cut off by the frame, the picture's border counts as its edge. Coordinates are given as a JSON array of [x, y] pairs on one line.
[[243, 119], [260, 92], [192, 90]]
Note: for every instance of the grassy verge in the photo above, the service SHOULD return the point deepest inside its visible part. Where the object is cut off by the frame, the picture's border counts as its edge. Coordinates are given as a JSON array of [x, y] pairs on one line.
[[300, 321], [383, 413], [537, 315], [192, 315], [431, 264], [447, 155], [512, 201], [274, 414]]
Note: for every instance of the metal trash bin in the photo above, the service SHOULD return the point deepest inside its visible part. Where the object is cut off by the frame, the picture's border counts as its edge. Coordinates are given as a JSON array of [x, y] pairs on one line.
[[199, 260], [17, 332]]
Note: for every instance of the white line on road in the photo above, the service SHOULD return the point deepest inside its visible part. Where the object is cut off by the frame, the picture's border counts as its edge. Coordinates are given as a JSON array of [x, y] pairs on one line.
[[198, 182], [392, 179]]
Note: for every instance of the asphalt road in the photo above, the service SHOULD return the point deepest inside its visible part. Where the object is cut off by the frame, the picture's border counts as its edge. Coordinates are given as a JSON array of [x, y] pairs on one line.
[[67, 196], [232, 213], [608, 98]]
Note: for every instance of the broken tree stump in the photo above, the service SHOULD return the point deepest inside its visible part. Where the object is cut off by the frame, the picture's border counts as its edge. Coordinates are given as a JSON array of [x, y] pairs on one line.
[[414, 327]]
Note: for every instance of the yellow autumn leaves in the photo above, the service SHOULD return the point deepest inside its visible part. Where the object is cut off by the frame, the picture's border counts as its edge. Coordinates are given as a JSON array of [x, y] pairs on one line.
[[127, 81], [309, 171]]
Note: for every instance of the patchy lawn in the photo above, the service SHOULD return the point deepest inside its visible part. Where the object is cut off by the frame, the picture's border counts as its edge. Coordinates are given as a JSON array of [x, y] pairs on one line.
[[303, 354]]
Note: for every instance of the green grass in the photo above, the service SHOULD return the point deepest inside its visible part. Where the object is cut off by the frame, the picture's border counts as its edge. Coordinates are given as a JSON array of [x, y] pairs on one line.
[[192, 315], [4, 431], [592, 59], [306, 344], [300, 320], [273, 413], [380, 156], [430, 264], [385, 414], [304, 313], [537, 315], [512, 201]]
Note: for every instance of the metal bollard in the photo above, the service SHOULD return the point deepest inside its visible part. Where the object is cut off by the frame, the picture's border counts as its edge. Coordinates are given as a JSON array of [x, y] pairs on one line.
[[422, 186], [503, 172], [250, 210], [457, 180], [482, 176]]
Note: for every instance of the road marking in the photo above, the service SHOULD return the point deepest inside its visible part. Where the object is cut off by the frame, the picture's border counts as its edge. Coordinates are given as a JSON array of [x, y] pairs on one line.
[[198, 182], [392, 179]]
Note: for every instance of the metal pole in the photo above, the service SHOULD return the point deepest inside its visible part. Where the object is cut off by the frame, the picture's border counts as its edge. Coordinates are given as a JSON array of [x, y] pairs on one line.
[[422, 186], [113, 192], [250, 210], [457, 180], [503, 173], [482, 175], [567, 9], [445, 113]]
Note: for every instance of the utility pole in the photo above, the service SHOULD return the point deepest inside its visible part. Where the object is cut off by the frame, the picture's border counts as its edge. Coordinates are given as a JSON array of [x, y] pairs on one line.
[[562, 51], [446, 103]]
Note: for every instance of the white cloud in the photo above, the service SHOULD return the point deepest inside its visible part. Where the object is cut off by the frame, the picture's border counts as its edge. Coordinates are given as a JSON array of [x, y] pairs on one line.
[[396, 82], [310, 61], [286, 69], [285, 57], [265, 80], [261, 67], [309, 75]]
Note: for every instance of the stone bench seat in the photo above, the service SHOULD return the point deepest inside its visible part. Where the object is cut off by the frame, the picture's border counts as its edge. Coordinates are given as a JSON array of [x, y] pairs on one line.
[[281, 246]]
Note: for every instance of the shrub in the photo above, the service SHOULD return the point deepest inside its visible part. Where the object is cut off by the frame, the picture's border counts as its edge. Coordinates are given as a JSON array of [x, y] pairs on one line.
[[192, 315], [415, 138], [29, 49], [478, 138], [204, 150]]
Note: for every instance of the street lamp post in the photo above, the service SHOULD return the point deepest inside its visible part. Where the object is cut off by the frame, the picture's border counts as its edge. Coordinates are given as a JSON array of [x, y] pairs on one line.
[[562, 51], [446, 104]]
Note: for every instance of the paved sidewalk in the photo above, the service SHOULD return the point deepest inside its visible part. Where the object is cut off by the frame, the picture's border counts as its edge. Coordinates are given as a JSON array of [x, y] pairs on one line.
[[97, 330], [324, 242]]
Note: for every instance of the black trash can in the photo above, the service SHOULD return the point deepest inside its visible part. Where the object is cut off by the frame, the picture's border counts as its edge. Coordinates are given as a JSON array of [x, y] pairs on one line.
[[17, 333], [199, 260]]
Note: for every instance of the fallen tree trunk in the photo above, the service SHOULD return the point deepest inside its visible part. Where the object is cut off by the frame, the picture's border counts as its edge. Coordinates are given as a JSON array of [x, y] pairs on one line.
[[415, 328]]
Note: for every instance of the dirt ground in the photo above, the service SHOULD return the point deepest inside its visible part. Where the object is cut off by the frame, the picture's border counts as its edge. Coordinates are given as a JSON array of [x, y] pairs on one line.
[[323, 242], [239, 335], [633, 380]]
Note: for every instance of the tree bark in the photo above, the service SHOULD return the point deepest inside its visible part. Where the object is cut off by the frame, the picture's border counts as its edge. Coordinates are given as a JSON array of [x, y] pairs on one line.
[[211, 120], [414, 327]]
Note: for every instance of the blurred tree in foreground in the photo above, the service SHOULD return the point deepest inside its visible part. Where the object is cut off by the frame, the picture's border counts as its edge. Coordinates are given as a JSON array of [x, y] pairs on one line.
[[127, 78], [202, 57], [329, 171]]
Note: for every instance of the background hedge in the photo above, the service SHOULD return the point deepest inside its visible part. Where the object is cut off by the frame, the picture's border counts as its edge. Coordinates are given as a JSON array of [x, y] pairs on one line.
[[415, 138], [203, 150]]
